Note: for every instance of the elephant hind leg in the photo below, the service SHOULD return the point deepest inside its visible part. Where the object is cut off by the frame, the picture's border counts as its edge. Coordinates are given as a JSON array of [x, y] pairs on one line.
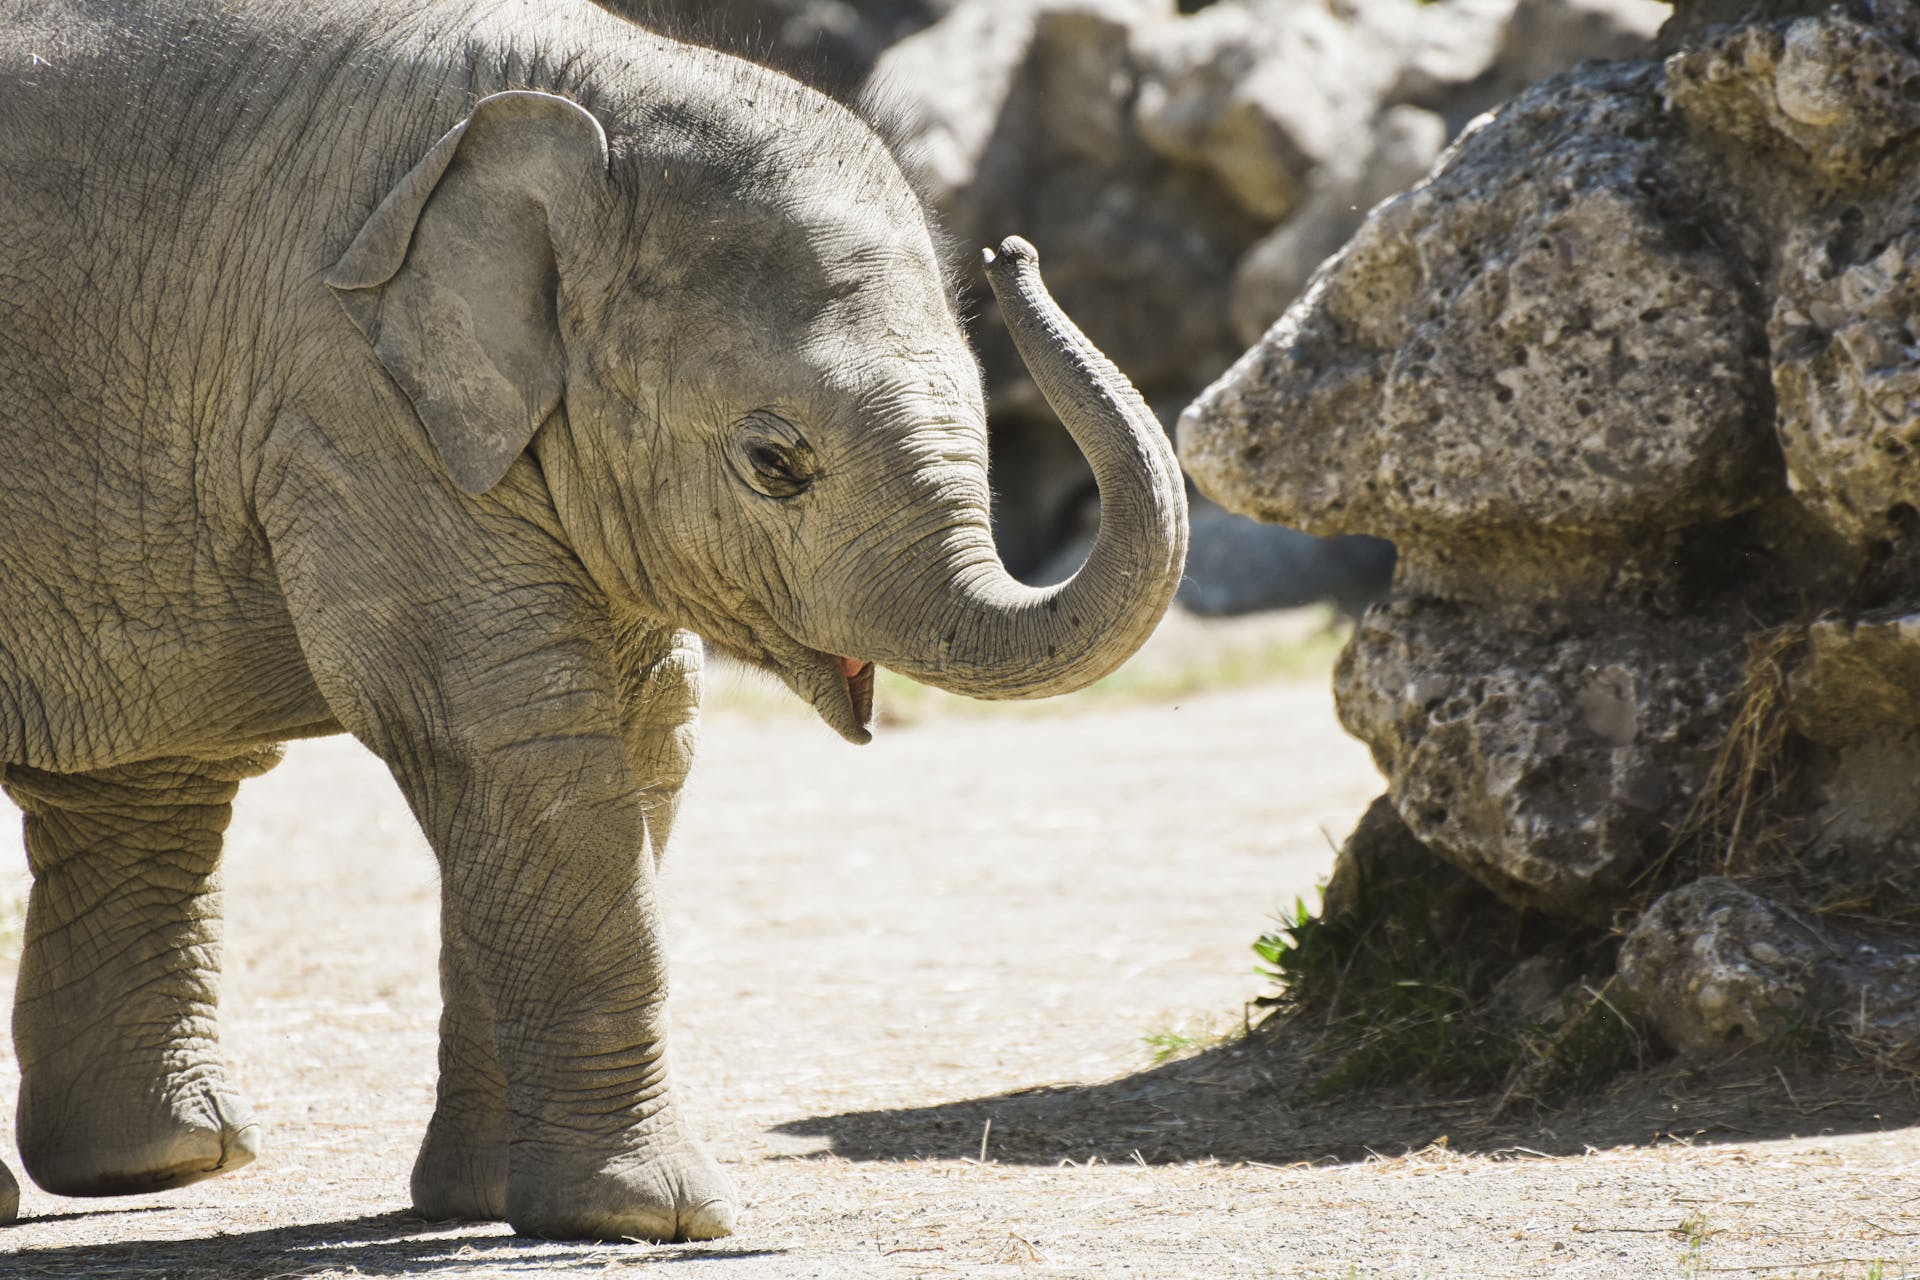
[[122, 1089]]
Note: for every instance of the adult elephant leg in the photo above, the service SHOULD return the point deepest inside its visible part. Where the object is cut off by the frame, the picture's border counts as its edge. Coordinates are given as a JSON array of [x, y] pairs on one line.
[[461, 1172], [122, 1088]]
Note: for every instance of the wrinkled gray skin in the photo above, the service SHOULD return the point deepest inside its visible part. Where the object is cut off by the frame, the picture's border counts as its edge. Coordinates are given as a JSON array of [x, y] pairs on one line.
[[339, 394]]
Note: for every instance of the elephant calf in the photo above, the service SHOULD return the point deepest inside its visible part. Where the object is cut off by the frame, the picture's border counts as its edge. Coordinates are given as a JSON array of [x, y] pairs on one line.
[[437, 373]]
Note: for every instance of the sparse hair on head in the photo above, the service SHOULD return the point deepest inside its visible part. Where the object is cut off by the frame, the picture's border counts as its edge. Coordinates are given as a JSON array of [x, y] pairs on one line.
[[728, 29], [886, 112]]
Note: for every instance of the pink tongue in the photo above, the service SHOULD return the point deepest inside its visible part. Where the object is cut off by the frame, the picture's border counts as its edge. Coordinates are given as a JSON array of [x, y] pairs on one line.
[[851, 667]]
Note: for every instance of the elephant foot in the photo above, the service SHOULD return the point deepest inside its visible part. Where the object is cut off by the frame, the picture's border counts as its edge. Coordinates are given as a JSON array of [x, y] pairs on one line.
[[9, 1196], [81, 1137], [457, 1179], [670, 1190]]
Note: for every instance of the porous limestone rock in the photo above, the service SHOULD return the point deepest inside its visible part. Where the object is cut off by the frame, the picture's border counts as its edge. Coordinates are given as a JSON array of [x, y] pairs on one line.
[[1632, 379], [1859, 678], [1847, 384], [1381, 866], [1543, 760], [1526, 340], [1854, 697], [1829, 94], [1714, 967]]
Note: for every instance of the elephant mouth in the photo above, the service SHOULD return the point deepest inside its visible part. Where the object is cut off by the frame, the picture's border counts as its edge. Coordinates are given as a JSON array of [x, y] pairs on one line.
[[859, 680], [840, 691]]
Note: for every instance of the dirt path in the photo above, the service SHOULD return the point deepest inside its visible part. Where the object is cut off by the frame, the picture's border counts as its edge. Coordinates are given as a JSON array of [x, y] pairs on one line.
[[873, 948]]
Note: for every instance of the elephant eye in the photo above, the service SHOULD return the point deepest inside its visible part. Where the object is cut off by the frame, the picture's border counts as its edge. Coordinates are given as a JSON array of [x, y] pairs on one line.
[[770, 455], [773, 464]]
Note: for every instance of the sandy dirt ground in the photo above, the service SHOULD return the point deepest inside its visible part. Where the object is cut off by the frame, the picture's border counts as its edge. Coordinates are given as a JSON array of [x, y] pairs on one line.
[[913, 984]]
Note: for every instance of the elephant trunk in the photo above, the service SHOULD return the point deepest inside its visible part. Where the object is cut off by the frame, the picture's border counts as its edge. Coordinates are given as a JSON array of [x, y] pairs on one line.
[[995, 637]]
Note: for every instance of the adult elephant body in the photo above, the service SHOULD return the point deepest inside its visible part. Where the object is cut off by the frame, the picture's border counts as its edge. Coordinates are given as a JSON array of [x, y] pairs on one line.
[[438, 374]]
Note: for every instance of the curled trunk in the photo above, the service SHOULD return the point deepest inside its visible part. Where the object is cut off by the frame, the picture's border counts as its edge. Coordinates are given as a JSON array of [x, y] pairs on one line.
[[995, 637]]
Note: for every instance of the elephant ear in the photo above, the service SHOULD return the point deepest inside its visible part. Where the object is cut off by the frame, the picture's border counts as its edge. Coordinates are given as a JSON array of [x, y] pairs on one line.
[[453, 279]]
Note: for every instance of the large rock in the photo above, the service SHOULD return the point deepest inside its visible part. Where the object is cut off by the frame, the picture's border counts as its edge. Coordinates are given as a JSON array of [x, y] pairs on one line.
[[1543, 760], [1260, 95], [1715, 967], [1859, 679], [1854, 696], [1488, 350], [1632, 379], [1827, 95], [1847, 386]]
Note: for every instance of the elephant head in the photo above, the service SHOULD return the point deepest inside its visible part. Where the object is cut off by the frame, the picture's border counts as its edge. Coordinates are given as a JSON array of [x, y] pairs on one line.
[[722, 336]]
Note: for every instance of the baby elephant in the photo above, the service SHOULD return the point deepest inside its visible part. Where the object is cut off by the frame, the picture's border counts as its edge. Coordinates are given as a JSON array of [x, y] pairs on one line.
[[437, 373]]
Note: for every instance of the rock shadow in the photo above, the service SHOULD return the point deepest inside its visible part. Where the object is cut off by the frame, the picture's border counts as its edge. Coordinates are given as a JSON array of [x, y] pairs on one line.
[[1248, 1102], [375, 1245]]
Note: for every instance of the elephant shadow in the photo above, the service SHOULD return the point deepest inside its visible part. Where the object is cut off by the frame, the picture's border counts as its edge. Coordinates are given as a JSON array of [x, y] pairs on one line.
[[1247, 1102], [381, 1244]]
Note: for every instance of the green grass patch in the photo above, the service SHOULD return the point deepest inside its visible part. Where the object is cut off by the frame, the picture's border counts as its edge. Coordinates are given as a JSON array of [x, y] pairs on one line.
[[1695, 1233], [1394, 1004], [1391, 1001], [1170, 1042], [1167, 1045]]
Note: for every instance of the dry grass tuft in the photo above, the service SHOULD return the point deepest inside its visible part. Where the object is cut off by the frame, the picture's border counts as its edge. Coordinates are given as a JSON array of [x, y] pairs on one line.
[[1591, 1045], [1737, 824]]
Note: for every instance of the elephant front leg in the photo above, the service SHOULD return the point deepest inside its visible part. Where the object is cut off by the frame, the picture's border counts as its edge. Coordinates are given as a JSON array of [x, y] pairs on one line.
[[553, 1109], [553, 937], [479, 663], [461, 1172], [122, 1089]]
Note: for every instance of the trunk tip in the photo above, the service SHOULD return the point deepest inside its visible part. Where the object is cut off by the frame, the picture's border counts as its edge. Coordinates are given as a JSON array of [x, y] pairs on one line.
[[1013, 251]]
